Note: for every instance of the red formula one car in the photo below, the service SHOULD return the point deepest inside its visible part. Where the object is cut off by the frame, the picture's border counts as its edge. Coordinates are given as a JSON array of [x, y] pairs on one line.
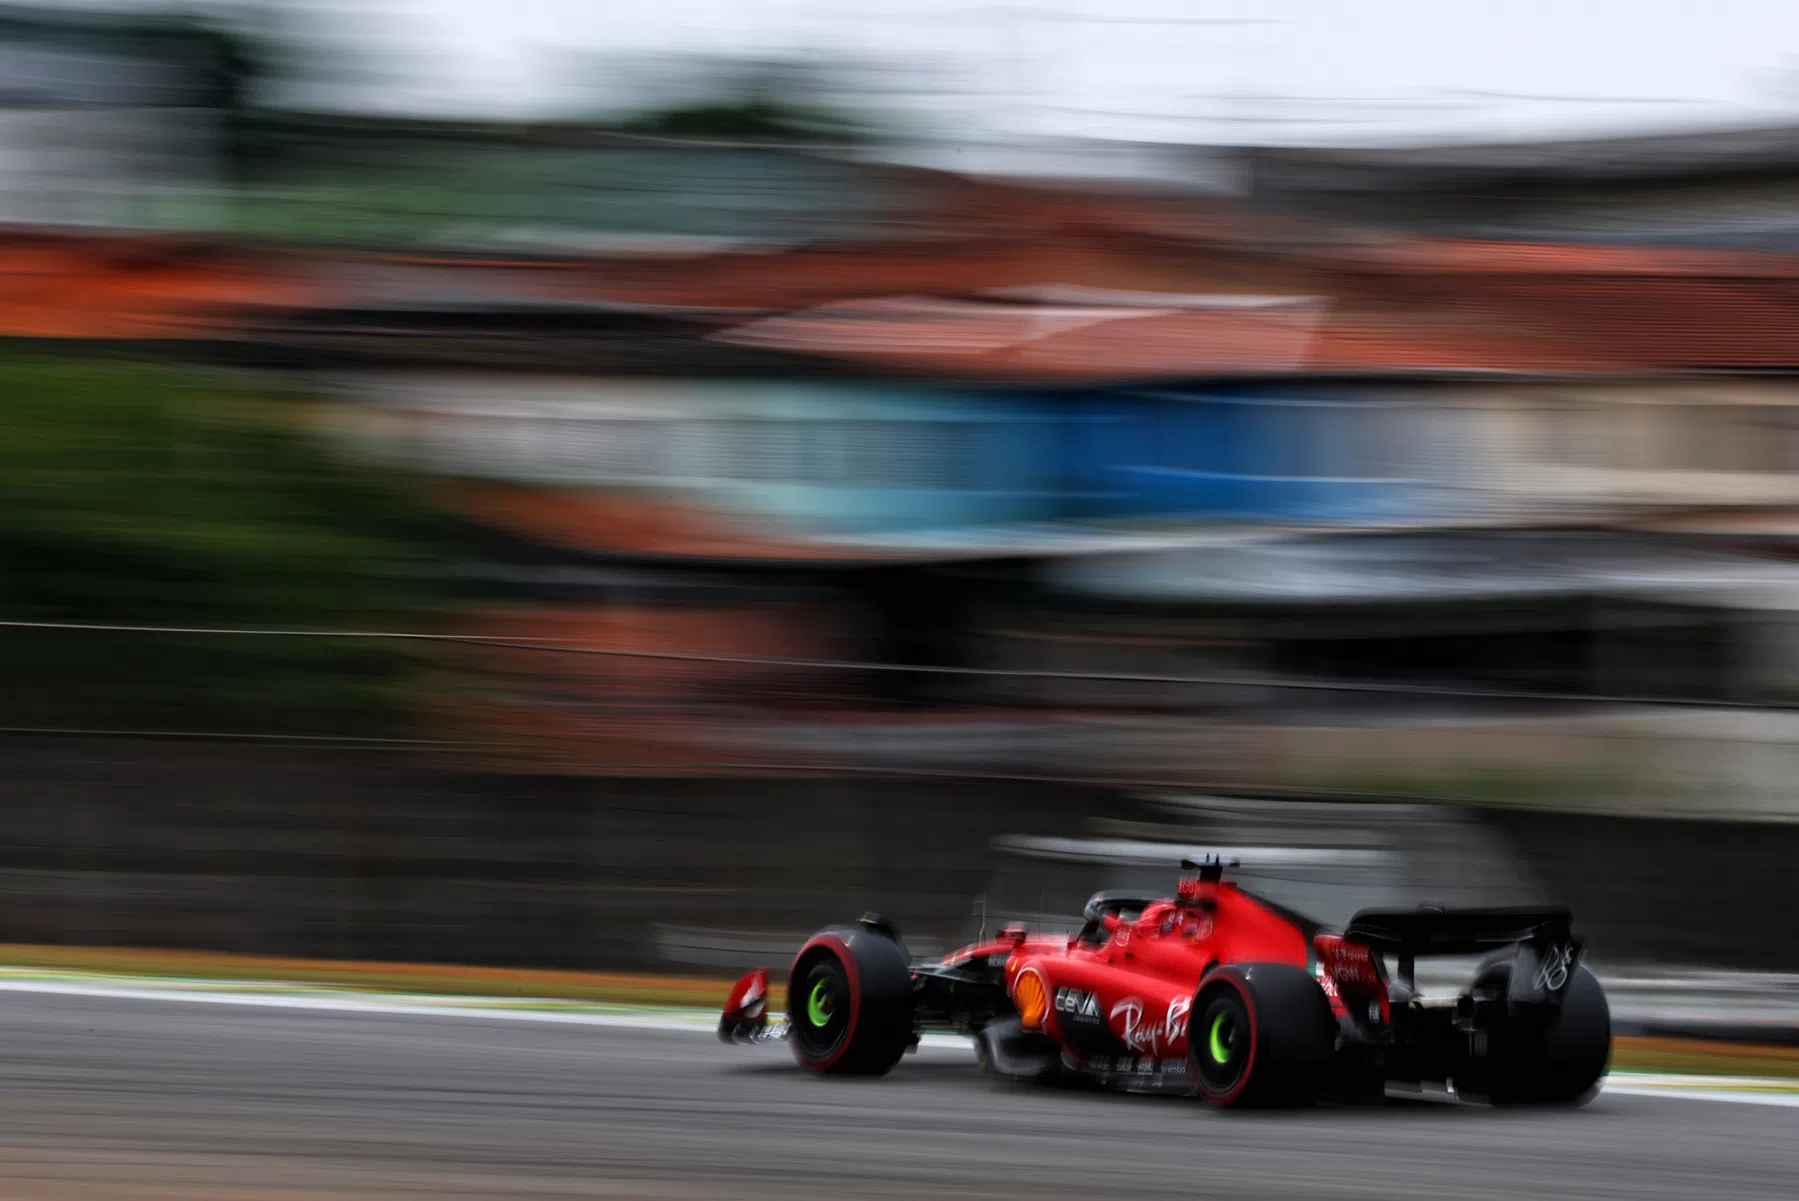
[[1214, 992]]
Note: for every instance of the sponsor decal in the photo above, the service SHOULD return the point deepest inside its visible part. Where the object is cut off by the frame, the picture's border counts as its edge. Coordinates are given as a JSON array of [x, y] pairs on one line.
[[1350, 963], [1201, 927], [1152, 1037], [1127, 1018], [1135, 1067], [1077, 1003], [1330, 987], [1030, 992], [1174, 1023], [997, 960], [1552, 973]]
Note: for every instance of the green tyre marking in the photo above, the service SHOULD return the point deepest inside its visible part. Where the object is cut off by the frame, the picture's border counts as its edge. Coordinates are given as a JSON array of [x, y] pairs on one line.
[[818, 1005], [1221, 1053]]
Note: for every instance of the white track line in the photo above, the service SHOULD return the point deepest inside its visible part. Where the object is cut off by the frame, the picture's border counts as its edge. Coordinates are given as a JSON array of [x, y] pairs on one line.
[[402, 1005], [1621, 1086], [1625, 1084]]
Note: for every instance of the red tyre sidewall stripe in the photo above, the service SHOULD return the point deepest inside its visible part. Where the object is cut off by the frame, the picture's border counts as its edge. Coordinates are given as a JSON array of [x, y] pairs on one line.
[[838, 947], [1249, 1007]]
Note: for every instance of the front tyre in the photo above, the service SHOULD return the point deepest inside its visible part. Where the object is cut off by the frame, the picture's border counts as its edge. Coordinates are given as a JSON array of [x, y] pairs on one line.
[[1260, 1035], [849, 1003]]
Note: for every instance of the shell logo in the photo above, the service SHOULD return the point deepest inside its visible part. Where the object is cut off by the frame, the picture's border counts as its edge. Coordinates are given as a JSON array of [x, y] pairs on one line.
[[1032, 999]]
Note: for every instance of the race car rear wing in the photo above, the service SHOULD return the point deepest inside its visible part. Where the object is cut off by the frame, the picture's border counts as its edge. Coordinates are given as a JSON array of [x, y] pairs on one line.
[[1456, 931], [1544, 962]]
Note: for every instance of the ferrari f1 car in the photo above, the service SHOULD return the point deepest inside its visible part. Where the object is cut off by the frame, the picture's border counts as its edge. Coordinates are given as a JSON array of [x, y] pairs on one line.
[[1214, 992]]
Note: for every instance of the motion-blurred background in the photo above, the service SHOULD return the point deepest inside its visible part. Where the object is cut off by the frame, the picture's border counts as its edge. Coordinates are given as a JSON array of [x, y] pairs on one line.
[[578, 488]]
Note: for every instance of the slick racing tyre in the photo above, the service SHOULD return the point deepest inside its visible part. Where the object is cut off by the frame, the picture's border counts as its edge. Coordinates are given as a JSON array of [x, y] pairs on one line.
[[1560, 1063], [849, 1003], [1260, 1035]]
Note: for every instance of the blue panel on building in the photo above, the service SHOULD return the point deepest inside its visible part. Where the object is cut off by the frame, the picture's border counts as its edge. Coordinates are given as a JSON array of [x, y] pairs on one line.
[[1243, 456], [883, 459]]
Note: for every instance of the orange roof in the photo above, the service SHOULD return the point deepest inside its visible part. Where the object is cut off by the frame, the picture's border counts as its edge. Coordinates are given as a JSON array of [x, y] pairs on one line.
[[1186, 336], [1220, 335], [1450, 255], [935, 305], [117, 287], [1365, 343], [1396, 304]]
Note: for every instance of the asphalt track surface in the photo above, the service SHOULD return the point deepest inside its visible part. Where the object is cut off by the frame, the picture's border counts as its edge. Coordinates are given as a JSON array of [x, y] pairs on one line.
[[131, 1098]]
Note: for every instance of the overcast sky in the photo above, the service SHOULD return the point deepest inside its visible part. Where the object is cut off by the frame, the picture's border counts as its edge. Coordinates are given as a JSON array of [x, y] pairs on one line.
[[1190, 70]]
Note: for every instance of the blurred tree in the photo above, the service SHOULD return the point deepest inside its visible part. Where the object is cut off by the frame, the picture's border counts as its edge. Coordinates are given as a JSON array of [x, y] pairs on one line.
[[223, 69], [235, 63], [780, 100], [755, 116], [136, 495], [246, 62]]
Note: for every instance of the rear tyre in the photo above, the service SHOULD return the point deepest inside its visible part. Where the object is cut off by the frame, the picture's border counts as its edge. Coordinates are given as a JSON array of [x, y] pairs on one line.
[[849, 1003], [1260, 1035], [1560, 1062]]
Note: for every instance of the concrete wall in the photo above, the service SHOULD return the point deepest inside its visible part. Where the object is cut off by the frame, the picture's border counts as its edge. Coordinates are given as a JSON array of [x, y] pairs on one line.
[[351, 854], [354, 854]]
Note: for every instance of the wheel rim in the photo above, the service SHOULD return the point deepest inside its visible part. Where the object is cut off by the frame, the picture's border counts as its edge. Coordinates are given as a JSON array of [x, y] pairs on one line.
[[820, 1004], [1222, 1038], [821, 1009], [1220, 1049]]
